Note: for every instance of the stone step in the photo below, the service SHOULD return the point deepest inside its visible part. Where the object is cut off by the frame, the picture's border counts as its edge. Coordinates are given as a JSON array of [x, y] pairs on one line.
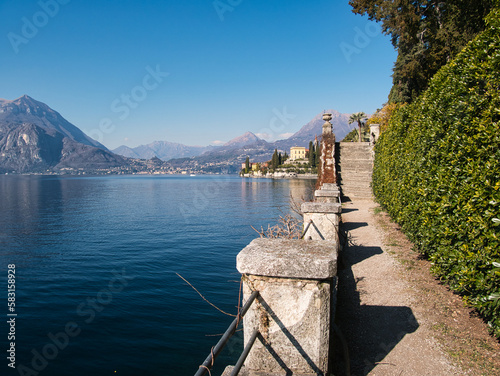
[[353, 196], [355, 171], [347, 182], [346, 179], [351, 187], [347, 166], [355, 175], [367, 162], [367, 172], [356, 190], [354, 160], [356, 155], [351, 170], [354, 145], [356, 187], [361, 156]]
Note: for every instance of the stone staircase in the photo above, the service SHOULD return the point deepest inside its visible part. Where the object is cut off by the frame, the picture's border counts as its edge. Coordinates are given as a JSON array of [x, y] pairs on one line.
[[355, 169]]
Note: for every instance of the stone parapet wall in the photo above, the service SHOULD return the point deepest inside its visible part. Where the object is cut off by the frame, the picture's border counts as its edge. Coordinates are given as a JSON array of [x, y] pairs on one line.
[[321, 221], [296, 281]]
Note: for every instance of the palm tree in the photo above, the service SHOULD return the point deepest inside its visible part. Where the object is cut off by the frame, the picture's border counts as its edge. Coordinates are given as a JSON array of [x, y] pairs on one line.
[[358, 116]]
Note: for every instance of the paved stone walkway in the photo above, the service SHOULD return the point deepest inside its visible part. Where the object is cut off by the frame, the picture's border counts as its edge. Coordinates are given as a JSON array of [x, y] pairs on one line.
[[385, 332]]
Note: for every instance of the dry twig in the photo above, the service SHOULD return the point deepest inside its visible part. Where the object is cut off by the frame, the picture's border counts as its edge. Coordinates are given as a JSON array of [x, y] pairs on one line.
[[288, 227], [205, 299]]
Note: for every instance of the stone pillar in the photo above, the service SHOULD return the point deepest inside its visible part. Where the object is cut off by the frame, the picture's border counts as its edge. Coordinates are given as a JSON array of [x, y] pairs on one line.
[[322, 221], [326, 169], [296, 281], [374, 133], [327, 193]]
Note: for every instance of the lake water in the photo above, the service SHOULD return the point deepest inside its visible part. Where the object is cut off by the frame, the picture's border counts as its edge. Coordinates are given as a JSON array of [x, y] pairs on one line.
[[96, 260]]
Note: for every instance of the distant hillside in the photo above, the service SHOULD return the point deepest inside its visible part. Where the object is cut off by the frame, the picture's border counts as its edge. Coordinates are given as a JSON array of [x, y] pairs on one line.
[[226, 159], [28, 110], [231, 155], [34, 138], [341, 128], [237, 149], [245, 139], [162, 149]]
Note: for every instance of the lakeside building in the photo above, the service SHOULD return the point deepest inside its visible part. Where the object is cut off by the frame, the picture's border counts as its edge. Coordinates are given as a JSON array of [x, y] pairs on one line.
[[255, 166], [298, 152]]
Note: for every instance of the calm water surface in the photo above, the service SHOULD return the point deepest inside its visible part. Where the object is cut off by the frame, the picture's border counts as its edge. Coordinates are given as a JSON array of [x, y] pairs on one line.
[[98, 257]]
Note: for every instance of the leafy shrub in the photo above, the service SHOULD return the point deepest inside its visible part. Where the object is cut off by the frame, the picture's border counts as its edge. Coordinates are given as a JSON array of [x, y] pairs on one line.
[[353, 135], [437, 172]]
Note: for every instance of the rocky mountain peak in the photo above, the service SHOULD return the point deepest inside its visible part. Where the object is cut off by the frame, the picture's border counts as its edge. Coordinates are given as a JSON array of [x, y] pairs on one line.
[[34, 138], [245, 139], [28, 110]]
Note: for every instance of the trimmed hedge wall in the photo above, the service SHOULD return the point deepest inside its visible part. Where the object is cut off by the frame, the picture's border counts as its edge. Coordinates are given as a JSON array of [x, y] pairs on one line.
[[437, 172]]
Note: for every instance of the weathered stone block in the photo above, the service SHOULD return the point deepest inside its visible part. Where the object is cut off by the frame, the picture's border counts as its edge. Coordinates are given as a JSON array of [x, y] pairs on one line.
[[293, 317], [325, 219], [288, 259], [293, 311], [321, 207], [325, 195], [330, 187]]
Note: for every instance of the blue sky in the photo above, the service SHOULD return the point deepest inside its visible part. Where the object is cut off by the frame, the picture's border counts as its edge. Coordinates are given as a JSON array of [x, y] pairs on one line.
[[195, 72]]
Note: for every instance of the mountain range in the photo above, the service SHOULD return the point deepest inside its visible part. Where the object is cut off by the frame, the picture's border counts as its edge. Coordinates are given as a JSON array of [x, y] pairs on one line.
[[163, 150], [35, 138], [249, 143], [231, 155], [308, 132]]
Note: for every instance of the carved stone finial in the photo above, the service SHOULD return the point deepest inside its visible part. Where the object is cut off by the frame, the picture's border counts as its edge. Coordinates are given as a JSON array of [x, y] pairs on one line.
[[327, 127]]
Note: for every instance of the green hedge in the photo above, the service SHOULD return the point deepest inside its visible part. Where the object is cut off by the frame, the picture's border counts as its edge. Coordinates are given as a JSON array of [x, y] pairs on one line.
[[437, 172]]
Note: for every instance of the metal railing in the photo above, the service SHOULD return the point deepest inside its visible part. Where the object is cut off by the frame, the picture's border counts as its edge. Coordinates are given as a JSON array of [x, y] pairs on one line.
[[316, 228], [209, 361]]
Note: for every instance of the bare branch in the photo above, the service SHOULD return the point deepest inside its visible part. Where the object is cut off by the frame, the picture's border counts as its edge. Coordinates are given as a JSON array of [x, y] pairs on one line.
[[199, 293]]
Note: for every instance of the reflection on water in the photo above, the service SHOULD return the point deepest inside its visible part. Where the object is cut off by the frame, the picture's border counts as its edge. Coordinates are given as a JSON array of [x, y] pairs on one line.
[[69, 236]]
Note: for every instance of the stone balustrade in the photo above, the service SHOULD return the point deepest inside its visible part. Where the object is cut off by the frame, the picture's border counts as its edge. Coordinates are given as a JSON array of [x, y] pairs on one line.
[[297, 285], [296, 281]]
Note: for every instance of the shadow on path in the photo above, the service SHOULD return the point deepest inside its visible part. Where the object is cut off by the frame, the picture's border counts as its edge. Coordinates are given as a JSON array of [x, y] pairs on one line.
[[371, 332], [348, 210], [353, 225]]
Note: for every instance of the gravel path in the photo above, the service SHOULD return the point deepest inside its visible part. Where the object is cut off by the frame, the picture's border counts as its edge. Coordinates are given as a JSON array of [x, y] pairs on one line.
[[386, 331]]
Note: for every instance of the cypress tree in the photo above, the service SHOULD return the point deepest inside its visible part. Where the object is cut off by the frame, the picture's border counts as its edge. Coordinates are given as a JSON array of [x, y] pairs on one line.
[[274, 160], [317, 156], [311, 154]]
